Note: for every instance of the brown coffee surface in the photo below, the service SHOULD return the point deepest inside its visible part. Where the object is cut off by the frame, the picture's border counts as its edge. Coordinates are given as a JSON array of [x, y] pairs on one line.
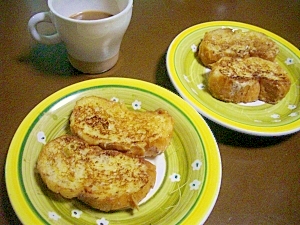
[[90, 15]]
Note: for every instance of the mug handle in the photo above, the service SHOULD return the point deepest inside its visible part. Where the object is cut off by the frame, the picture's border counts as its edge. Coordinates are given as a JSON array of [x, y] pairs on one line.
[[45, 39]]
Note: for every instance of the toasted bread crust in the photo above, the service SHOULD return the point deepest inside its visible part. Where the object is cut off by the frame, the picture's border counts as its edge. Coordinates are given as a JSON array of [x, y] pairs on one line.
[[235, 43], [104, 179], [246, 80], [111, 125]]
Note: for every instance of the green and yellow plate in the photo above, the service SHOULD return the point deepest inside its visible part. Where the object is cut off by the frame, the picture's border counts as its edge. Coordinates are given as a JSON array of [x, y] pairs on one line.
[[188, 173], [257, 118]]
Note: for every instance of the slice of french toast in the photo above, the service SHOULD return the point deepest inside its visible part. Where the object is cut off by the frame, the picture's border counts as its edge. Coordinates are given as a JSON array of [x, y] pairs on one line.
[[246, 80], [111, 125], [224, 42], [104, 179]]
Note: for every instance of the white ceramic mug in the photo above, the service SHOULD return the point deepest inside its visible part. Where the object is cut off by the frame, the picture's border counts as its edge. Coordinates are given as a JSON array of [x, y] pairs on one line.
[[93, 45]]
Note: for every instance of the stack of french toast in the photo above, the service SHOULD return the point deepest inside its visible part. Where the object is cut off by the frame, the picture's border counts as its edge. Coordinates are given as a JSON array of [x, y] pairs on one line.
[[102, 162], [243, 66]]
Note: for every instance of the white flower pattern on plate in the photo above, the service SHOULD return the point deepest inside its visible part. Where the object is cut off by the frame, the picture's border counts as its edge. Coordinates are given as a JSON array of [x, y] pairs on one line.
[[175, 177], [293, 114], [291, 107], [114, 99], [289, 61], [197, 164], [195, 185], [136, 105], [275, 116], [53, 216], [201, 86], [194, 48], [102, 221], [76, 213], [41, 137]]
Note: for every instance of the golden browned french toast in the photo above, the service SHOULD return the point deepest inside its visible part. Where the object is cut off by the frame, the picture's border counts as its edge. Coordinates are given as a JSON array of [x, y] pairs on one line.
[[104, 179], [111, 125], [224, 42], [246, 80]]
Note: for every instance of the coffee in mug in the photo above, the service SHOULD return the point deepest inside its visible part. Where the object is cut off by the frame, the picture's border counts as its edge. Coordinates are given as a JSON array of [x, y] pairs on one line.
[[92, 30], [90, 15]]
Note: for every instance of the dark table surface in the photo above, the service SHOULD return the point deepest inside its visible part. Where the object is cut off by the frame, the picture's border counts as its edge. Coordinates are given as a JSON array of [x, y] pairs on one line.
[[261, 175]]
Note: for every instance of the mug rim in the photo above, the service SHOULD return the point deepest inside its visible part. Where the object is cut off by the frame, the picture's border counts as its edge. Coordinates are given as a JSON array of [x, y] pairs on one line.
[[124, 11]]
